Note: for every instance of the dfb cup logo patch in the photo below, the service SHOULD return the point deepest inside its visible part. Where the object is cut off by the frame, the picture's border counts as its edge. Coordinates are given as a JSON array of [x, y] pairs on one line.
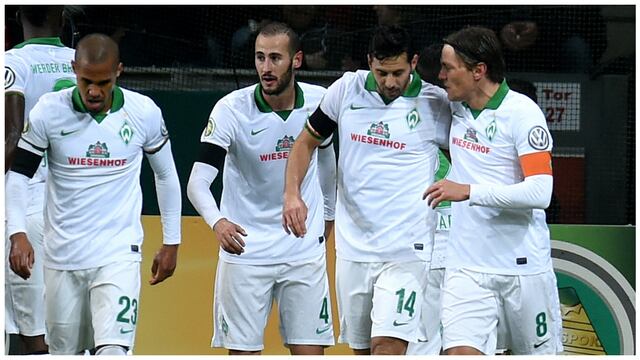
[[9, 77], [539, 138], [211, 125]]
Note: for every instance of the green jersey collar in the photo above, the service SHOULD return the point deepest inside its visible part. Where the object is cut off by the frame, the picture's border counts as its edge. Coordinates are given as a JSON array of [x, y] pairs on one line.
[[412, 90], [116, 104], [53, 41], [494, 102], [264, 106]]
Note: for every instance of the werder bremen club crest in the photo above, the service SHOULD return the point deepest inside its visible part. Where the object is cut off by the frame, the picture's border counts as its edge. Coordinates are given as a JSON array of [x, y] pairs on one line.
[[98, 150]]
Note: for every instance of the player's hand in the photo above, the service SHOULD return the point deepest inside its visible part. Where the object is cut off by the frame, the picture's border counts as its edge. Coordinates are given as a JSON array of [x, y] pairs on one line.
[[445, 190], [21, 255], [164, 263], [294, 215], [230, 236]]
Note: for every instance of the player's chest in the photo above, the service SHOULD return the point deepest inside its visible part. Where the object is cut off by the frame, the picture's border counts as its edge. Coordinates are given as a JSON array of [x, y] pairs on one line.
[[75, 141], [270, 133], [400, 126], [487, 136]]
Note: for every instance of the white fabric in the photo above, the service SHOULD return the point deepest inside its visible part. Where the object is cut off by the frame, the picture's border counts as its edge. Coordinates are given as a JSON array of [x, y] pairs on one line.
[[245, 293], [473, 303], [534, 192], [88, 308], [369, 296], [92, 214], [169, 193], [258, 144], [24, 299], [327, 177], [431, 344], [199, 193], [16, 190], [386, 162], [487, 150], [33, 70]]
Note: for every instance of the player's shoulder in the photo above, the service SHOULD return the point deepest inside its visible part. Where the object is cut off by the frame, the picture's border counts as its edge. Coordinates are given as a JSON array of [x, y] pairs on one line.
[[55, 103], [433, 91], [133, 99], [240, 99], [311, 88]]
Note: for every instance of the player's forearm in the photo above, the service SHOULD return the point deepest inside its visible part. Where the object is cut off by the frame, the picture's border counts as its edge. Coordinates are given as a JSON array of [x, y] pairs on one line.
[[200, 180], [532, 193], [298, 162], [168, 192], [327, 177], [13, 125]]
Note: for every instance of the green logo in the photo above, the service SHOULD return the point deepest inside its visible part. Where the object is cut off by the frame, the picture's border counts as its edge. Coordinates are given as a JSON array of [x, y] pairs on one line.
[[253, 132], [211, 125], [98, 150], [491, 130], [126, 132], [285, 143], [397, 323], [225, 326], [380, 130], [413, 119], [355, 107], [123, 331], [321, 331]]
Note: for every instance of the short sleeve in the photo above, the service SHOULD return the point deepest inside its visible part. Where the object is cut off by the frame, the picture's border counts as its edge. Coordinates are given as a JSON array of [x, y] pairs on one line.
[[34, 135], [16, 74], [157, 134], [332, 100], [530, 131], [443, 121], [220, 126]]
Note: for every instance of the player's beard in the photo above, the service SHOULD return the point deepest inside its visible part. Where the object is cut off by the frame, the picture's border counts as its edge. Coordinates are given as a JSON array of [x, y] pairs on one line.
[[282, 84]]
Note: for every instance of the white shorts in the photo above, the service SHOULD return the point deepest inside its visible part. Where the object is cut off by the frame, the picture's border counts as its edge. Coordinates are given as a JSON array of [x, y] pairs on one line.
[[431, 343], [473, 303], [379, 299], [93, 307], [244, 295], [24, 299]]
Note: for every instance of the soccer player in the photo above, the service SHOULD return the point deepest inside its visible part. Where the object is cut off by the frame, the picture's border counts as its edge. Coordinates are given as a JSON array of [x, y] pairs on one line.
[[95, 135], [498, 260], [38, 65], [250, 133], [391, 124], [431, 344]]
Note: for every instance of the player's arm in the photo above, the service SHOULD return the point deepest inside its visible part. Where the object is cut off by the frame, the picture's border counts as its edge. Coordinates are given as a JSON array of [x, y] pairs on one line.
[[13, 125], [534, 192], [327, 177], [318, 127], [170, 204], [205, 170], [25, 164]]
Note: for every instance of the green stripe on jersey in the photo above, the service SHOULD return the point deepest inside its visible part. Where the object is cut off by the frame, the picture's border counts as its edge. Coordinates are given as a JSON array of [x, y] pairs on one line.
[[53, 41]]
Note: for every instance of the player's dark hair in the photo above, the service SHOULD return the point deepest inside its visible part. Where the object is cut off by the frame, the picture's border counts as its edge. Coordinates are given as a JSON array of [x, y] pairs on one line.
[[390, 42], [278, 28], [476, 44], [37, 15], [429, 63]]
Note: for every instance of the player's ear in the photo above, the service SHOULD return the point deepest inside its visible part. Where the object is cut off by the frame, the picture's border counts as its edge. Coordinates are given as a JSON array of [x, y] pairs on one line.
[[479, 71], [297, 59], [414, 62]]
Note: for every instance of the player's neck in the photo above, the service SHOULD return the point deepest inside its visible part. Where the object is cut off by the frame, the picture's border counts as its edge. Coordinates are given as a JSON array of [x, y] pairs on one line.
[[30, 32], [483, 93], [284, 101]]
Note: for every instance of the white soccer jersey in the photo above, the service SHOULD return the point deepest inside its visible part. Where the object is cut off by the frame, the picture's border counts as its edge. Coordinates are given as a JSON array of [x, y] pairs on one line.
[[33, 68], [387, 156], [94, 168], [443, 218], [258, 141], [486, 150]]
